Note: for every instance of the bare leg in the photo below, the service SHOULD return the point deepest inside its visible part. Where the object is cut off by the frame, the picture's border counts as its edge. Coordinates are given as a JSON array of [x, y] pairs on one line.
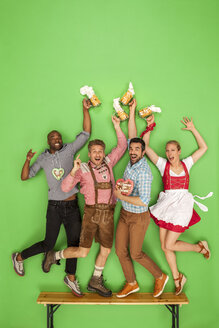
[[71, 277], [170, 255], [102, 256], [96, 282], [71, 252], [19, 258], [180, 246]]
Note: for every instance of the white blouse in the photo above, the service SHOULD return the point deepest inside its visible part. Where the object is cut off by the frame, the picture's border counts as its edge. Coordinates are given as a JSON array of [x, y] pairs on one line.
[[161, 163]]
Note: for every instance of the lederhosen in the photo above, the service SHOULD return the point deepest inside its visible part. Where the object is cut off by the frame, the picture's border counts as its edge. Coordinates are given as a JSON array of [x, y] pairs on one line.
[[98, 218]]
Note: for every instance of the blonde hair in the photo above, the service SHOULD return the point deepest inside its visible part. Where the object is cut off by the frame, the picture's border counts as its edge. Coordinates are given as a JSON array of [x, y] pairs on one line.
[[176, 143], [96, 142]]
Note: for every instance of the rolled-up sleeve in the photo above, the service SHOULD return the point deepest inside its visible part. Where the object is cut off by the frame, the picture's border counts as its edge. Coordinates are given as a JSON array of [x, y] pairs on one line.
[[144, 186]]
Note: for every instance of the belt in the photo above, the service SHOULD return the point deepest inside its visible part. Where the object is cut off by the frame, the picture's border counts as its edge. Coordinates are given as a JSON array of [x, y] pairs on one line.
[[63, 203], [101, 206]]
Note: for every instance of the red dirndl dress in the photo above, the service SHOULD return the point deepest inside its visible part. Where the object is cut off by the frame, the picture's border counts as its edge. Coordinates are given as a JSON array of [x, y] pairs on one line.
[[174, 208]]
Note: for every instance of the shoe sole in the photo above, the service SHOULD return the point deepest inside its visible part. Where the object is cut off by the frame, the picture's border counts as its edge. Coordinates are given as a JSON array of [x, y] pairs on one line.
[[12, 257], [43, 265], [167, 278], [133, 291], [205, 244], [91, 289], [182, 284], [73, 292]]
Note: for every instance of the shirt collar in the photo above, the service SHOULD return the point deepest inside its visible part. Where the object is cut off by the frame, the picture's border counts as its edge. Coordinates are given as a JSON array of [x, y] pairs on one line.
[[136, 165], [57, 151], [94, 166]]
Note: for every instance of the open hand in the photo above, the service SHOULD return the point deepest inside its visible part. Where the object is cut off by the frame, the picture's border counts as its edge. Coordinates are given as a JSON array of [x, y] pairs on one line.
[[188, 123], [30, 155]]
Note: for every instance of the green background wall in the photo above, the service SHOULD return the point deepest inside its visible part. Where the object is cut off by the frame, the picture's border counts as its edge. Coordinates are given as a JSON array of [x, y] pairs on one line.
[[49, 49]]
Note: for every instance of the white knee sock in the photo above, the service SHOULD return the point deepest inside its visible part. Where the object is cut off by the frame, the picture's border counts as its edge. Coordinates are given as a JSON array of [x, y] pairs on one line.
[[98, 271], [59, 255]]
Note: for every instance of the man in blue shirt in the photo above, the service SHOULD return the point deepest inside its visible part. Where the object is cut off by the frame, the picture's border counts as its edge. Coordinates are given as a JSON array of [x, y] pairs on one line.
[[135, 218]]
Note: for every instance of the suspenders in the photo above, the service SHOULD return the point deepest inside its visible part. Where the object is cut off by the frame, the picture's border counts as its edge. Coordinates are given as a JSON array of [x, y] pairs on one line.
[[101, 185]]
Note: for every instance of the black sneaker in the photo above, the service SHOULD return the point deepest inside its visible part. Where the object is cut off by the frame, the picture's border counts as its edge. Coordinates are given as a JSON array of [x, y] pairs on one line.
[[96, 284], [49, 259]]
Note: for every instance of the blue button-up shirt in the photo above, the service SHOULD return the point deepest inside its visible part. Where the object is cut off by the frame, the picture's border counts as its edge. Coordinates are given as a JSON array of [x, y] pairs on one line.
[[140, 174]]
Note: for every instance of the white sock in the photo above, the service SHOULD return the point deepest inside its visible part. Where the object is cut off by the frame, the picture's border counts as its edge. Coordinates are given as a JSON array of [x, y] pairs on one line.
[[59, 255], [98, 271]]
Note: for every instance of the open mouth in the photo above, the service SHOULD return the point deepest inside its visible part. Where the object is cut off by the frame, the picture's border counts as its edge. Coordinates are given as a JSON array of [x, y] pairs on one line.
[[97, 160]]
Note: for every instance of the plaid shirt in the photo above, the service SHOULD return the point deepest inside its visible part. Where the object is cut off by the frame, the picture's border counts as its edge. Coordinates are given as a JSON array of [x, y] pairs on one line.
[[140, 174]]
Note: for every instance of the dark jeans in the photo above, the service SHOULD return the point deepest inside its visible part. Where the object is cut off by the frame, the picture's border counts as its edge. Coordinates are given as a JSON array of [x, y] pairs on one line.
[[58, 212]]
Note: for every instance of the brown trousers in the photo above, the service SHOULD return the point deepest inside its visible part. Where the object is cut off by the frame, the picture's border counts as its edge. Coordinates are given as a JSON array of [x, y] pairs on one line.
[[130, 232]]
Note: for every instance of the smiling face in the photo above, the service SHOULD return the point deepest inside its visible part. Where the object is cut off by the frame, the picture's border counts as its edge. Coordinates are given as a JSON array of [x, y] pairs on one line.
[[54, 140], [135, 152], [173, 153], [96, 154]]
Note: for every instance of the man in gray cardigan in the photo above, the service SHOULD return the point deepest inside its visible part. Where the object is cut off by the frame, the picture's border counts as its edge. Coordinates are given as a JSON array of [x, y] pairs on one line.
[[63, 208]]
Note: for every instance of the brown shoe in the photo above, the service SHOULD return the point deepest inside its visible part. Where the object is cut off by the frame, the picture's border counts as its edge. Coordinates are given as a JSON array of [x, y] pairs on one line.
[[204, 246], [128, 289], [49, 259], [182, 280], [96, 284], [160, 284]]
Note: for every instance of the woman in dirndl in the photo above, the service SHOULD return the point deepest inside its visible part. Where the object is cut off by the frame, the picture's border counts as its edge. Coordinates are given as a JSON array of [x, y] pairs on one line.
[[174, 212]]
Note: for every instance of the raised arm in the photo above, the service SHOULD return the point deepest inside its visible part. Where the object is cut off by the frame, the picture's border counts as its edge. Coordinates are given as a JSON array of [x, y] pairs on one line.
[[116, 124], [132, 130], [117, 152], [26, 168], [150, 152], [86, 114], [202, 147]]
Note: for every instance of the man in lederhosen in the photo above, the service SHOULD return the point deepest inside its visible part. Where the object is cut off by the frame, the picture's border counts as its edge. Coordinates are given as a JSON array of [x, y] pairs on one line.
[[97, 184]]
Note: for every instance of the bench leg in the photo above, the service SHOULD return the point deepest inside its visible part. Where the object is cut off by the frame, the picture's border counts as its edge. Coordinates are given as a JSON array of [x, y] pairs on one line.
[[174, 309], [173, 316], [51, 309]]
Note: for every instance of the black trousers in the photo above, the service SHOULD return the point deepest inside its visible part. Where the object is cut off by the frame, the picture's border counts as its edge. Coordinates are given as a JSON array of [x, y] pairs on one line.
[[58, 212]]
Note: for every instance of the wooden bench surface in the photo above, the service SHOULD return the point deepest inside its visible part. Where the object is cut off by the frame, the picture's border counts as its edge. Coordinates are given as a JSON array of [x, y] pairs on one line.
[[92, 298]]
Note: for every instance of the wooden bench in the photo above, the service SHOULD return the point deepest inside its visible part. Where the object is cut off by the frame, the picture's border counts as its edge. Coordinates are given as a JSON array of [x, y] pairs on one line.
[[53, 301]]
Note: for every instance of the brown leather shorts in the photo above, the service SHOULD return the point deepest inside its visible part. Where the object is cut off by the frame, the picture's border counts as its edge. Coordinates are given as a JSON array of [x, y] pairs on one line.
[[97, 222]]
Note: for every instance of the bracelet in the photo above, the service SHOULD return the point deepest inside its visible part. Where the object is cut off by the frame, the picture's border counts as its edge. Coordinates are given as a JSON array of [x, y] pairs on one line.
[[149, 128]]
